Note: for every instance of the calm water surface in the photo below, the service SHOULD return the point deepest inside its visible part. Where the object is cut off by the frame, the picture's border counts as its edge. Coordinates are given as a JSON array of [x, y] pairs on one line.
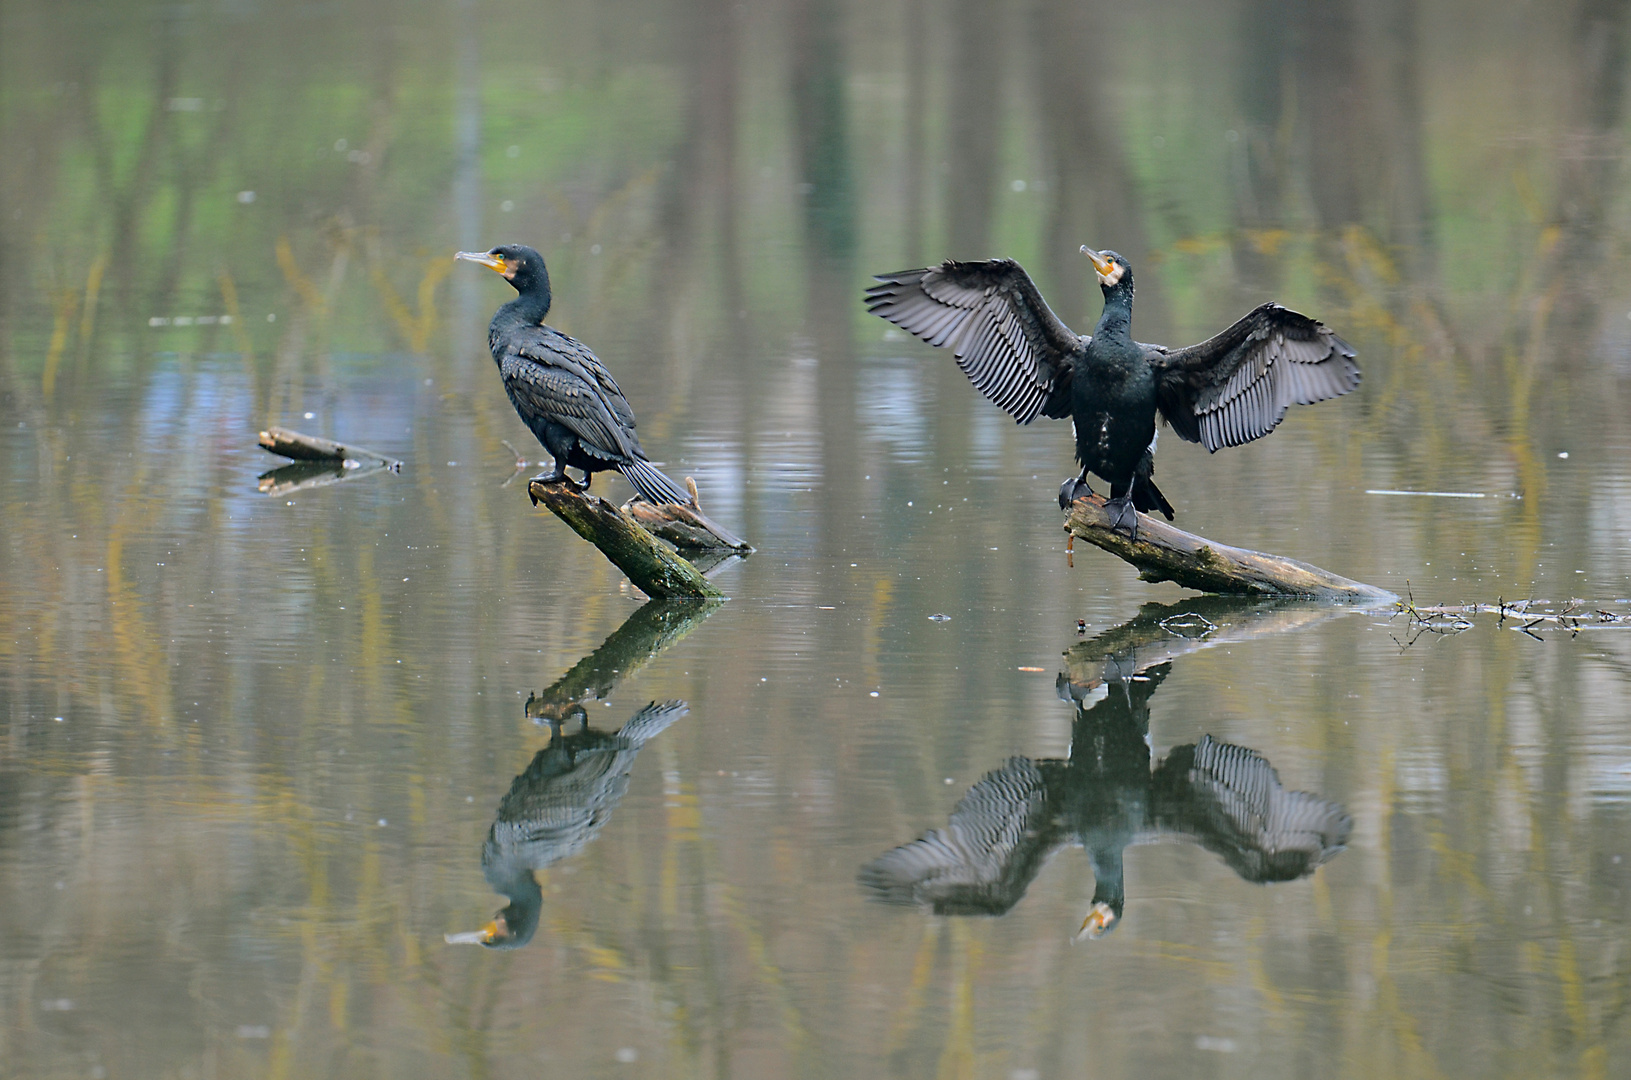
[[262, 752]]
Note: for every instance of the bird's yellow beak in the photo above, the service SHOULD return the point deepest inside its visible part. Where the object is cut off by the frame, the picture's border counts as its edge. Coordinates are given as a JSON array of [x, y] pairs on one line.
[[492, 262], [476, 937], [1100, 263], [1099, 922]]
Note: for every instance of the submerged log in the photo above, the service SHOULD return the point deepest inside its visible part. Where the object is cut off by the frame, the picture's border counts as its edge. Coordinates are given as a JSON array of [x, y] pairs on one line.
[[653, 569], [1165, 553], [302, 447]]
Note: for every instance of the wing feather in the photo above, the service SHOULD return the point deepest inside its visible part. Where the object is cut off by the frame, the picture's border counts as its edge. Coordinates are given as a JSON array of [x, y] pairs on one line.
[[1237, 386], [1008, 342], [550, 374]]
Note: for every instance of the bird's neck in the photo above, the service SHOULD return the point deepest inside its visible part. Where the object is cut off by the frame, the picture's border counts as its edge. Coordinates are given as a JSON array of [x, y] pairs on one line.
[[1107, 879], [528, 309], [1116, 323]]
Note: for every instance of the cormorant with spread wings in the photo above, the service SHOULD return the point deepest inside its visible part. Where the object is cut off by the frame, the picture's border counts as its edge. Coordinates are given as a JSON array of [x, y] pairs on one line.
[[561, 389], [1228, 390]]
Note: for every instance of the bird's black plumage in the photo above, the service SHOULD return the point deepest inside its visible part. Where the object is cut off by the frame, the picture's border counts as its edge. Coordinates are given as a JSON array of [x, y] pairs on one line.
[[1227, 390], [560, 388]]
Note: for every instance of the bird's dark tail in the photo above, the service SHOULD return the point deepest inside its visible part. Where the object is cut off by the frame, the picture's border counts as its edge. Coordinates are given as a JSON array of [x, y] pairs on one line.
[[1148, 498], [649, 722], [653, 485]]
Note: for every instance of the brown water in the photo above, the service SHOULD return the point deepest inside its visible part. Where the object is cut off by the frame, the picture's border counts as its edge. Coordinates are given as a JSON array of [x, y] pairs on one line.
[[251, 745]]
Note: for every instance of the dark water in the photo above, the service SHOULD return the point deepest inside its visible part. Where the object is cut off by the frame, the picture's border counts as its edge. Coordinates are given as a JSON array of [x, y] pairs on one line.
[[252, 745]]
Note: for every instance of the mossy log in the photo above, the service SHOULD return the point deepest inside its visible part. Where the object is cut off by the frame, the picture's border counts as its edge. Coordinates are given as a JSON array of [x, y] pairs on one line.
[[1165, 553], [651, 567]]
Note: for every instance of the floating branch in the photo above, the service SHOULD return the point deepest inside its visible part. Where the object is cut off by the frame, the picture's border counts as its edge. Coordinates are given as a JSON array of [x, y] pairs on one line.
[[1165, 553], [1524, 616], [685, 526], [654, 570], [302, 447]]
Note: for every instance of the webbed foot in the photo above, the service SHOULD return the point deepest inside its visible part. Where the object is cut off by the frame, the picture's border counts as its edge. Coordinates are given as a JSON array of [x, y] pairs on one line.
[[1123, 516], [556, 477], [1072, 489]]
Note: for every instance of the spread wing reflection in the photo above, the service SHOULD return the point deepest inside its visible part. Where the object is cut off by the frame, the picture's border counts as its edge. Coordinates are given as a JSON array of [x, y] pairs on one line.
[[560, 802], [1105, 797], [1229, 800], [981, 863]]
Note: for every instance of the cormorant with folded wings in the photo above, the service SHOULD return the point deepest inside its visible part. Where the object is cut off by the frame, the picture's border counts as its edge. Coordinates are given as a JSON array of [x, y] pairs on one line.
[[559, 386], [1228, 390]]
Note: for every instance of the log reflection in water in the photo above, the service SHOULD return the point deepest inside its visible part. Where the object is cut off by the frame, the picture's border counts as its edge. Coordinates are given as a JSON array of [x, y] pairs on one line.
[[1105, 797]]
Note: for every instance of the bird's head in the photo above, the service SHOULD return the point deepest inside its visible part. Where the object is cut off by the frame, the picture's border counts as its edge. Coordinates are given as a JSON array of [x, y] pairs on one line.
[[512, 927], [1112, 269], [1103, 917], [521, 266]]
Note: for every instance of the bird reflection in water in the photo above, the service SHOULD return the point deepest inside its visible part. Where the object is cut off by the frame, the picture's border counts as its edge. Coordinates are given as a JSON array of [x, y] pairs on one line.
[[1105, 796], [556, 808], [561, 801]]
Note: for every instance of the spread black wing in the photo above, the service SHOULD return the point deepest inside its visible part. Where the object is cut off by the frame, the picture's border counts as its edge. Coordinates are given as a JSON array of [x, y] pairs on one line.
[[984, 859], [1008, 342], [1229, 800], [549, 375], [1236, 387]]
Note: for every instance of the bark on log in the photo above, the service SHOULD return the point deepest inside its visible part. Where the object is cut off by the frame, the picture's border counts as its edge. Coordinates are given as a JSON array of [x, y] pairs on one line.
[[653, 569], [1165, 553], [685, 525], [302, 447]]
